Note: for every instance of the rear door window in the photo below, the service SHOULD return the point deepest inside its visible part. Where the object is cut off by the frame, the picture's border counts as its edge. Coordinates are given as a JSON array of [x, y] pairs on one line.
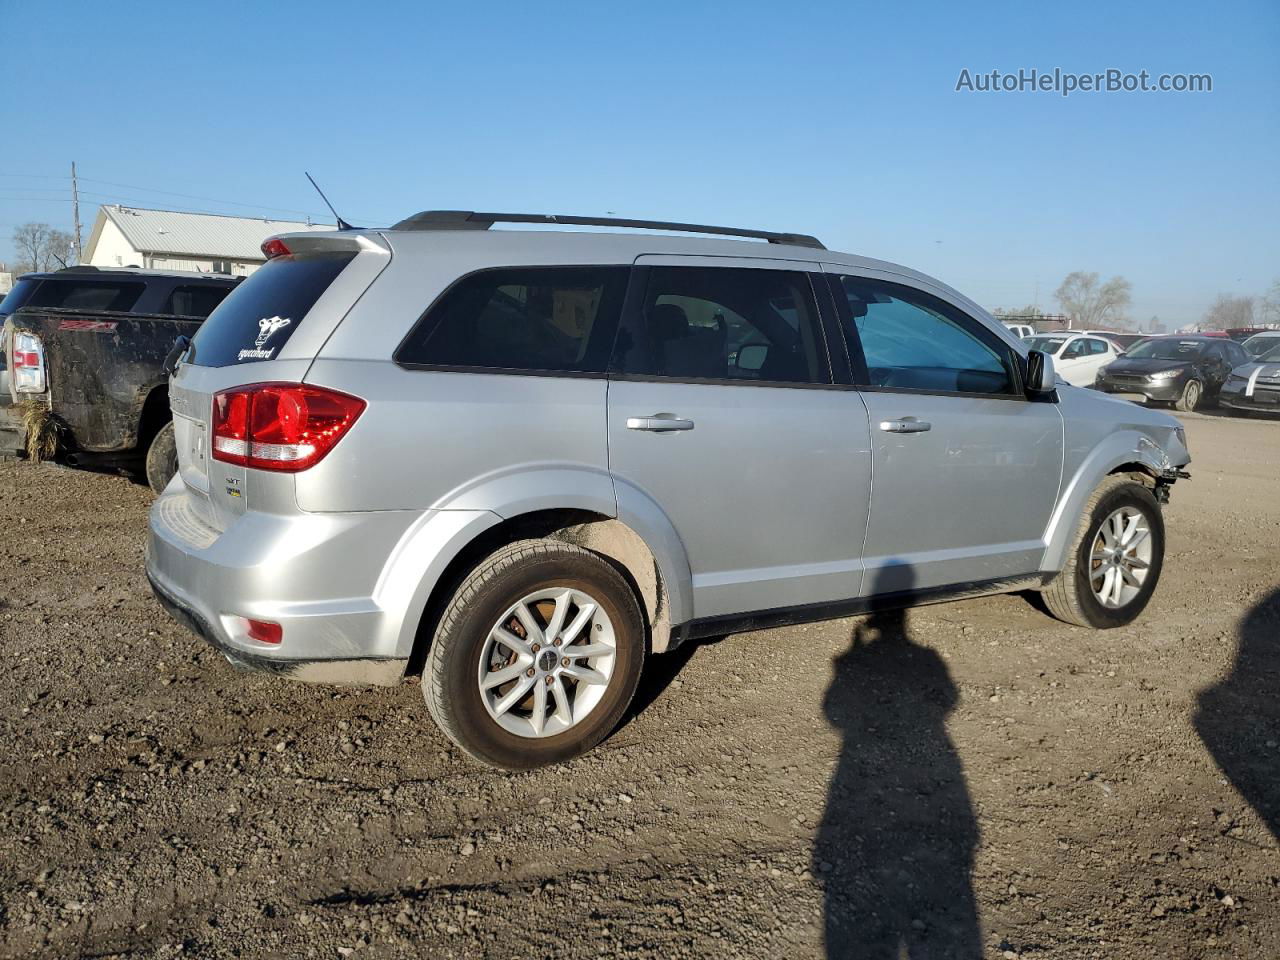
[[725, 323], [550, 319], [195, 300], [257, 319]]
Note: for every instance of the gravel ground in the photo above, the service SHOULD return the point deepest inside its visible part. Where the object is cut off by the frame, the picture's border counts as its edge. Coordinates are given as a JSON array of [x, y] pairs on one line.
[[971, 779]]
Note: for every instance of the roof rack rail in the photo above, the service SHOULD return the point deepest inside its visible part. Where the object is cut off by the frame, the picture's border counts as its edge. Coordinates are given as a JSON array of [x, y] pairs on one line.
[[469, 220]]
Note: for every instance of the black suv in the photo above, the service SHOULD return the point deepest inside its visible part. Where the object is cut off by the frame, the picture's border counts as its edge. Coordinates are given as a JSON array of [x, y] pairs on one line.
[[1175, 369], [82, 352]]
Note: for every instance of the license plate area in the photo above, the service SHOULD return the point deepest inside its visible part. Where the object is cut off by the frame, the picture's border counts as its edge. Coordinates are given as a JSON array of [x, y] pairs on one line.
[[193, 452]]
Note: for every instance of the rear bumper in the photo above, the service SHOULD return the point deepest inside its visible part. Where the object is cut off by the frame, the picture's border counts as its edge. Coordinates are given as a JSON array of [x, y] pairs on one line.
[[13, 429], [315, 575], [359, 671]]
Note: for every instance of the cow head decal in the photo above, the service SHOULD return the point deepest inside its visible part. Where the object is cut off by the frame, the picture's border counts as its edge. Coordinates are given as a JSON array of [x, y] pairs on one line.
[[267, 326]]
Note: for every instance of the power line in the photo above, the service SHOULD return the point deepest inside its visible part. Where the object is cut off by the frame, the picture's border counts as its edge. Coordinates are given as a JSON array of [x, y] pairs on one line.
[[137, 201], [171, 193], [167, 193]]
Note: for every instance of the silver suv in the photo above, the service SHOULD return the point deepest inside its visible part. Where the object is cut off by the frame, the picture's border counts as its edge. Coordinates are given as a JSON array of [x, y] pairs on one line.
[[517, 462]]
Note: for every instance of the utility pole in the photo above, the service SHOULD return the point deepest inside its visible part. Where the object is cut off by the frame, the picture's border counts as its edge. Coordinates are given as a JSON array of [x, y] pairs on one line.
[[75, 208]]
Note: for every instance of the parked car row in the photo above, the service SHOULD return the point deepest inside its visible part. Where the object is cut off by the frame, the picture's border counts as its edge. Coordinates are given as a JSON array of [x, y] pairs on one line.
[[1182, 370]]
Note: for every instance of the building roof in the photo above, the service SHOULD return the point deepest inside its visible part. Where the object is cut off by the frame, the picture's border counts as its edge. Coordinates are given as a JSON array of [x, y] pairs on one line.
[[205, 235]]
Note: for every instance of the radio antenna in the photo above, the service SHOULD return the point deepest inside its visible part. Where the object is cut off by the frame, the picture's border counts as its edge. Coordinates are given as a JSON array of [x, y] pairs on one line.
[[342, 224]]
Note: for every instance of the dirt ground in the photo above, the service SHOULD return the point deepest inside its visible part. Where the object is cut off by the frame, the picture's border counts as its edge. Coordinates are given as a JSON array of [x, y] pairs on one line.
[[971, 779]]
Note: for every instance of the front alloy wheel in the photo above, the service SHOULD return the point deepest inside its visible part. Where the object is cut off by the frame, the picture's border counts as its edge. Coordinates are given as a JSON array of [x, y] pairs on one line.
[[1121, 557], [1115, 559]]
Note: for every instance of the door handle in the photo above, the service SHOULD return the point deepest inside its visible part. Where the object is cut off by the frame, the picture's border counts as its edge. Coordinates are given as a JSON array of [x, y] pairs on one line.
[[905, 425], [659, 423]]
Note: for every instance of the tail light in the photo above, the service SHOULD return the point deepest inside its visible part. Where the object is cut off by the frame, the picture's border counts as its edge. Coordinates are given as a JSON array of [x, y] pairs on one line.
[[286, 427], [274, 247], [28, 364]]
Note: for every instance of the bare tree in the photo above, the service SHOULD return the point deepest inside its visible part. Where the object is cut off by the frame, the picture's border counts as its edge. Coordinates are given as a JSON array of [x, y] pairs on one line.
[[40, 247], [1269, 305], [1023, 313], [1228, 312], [1087, 303]]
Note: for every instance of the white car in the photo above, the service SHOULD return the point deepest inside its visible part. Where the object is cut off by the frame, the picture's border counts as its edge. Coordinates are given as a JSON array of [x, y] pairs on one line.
[[1077, 357], [1021, 330]]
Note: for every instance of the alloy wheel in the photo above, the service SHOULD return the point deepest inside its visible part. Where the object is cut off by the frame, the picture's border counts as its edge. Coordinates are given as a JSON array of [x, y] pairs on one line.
[[1120, 558], [547, 662]]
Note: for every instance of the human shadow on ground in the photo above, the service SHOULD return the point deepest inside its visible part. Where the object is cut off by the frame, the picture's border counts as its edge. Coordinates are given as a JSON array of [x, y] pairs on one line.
[[1238, 718], [896, 844]]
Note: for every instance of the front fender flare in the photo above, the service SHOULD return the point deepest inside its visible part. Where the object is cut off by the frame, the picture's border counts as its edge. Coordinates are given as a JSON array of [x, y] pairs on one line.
[[1117, 450]]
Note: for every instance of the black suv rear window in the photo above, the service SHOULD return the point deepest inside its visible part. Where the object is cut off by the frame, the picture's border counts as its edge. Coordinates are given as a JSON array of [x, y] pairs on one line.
[[559, 319], [67, 294], [259, 316], [195, 300]]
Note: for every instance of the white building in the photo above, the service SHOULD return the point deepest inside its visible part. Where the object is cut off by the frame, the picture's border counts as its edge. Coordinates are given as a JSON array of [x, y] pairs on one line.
[[169, 240]]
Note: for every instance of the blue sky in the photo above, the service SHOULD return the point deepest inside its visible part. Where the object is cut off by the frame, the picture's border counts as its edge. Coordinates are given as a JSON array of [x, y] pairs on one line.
[[836, 119]]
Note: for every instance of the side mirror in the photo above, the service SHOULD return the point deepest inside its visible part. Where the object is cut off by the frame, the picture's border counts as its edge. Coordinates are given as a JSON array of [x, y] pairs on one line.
[[176, 354], [1041, 377], [752, 356]]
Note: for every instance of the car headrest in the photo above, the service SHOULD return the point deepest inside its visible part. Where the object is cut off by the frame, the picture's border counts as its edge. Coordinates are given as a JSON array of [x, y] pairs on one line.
[[667, 321]]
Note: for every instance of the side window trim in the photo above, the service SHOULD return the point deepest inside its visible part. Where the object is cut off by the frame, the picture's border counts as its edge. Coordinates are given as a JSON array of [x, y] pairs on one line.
[[632, 320], [963, 318], [859, 375]]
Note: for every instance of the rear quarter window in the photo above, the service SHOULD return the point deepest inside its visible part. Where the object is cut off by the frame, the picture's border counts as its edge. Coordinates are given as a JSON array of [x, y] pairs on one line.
[[551, 319], [15, 298], [257, 319], [195, 300]]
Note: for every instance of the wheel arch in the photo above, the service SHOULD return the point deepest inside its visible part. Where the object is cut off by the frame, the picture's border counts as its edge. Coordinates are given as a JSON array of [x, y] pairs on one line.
[[653, 575], [152, 416], [1125, 452]]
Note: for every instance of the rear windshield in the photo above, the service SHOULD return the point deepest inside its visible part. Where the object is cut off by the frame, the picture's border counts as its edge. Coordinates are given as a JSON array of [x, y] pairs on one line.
[[259, 316], [68, 294]]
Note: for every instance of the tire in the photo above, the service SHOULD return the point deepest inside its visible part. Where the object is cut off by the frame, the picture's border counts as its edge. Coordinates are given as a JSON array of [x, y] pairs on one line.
[[1070, 596], [1190, 399], [162, 458], [464, 640]]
